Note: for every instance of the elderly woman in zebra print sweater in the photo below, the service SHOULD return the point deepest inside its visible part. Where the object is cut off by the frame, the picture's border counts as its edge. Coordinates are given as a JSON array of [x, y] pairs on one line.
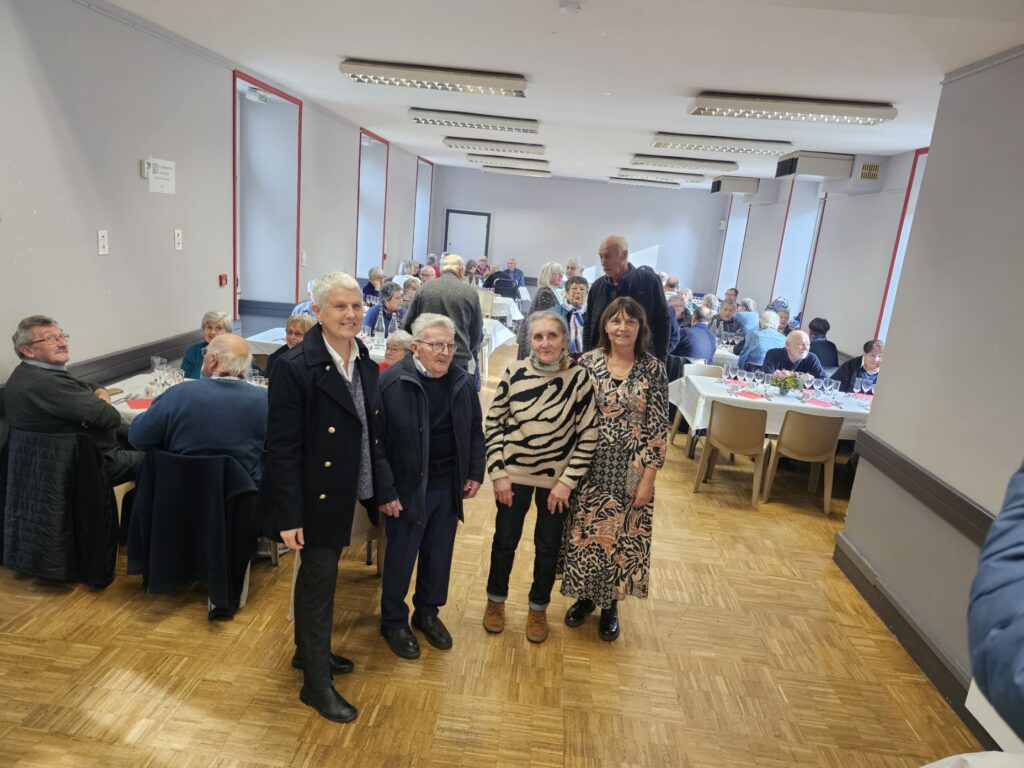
[[541, 432]]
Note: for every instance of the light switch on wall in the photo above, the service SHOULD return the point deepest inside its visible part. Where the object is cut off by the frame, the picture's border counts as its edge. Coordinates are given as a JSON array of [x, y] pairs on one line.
[[102, 242], [177, 240]]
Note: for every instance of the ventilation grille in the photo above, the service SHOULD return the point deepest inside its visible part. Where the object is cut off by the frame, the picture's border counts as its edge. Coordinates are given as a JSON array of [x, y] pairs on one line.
[[870, 171], [787, 167], [716, 186]]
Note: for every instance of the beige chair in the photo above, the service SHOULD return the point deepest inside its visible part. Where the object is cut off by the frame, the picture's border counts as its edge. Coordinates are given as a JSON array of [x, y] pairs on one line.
[[735, 430], [120, 491], [486, 302], [807, 437], [693, 369]]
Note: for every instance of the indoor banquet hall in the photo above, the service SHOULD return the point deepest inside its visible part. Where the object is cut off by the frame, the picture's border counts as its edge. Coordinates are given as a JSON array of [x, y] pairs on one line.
[[459, 384]]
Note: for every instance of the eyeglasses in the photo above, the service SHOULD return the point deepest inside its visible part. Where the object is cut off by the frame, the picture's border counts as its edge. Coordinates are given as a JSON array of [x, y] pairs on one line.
[[290, 332], [439, 346], [51, 338]]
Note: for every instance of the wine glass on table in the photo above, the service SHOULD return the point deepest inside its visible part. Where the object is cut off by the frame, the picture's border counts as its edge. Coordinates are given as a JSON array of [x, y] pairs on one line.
[[817, 384], [758, 378]]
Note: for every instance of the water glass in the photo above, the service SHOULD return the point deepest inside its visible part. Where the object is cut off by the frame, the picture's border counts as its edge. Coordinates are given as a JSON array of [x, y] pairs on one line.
[[817, 385], [758, 377], [156, 362]]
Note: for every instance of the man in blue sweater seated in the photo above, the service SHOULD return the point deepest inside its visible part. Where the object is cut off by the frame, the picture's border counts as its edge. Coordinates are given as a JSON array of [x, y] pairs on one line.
[[697, 342], [795, 356], [219, 415]]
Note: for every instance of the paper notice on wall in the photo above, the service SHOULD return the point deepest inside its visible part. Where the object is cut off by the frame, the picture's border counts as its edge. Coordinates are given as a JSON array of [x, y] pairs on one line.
[[161, 175]]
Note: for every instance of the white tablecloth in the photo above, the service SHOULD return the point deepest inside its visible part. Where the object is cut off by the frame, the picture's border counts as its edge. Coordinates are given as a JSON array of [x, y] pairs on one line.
[[505, 307], [134, 388], [495, 334], [266, 342], [693, 396], [724, 356], [524, 293]]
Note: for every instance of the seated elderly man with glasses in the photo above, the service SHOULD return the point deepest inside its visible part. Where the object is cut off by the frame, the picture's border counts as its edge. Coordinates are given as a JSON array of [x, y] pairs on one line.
[[41, 396], [430, 458]]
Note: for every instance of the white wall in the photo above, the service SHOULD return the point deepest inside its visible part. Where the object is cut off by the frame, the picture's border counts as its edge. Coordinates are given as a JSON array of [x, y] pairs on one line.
[[268, 162], [765, 226], [85, 103], [796, 244], [401, 207], [539, 220], [855, 246]]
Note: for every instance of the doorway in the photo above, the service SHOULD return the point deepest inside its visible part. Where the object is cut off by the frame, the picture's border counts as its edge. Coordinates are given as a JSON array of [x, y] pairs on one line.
[[267, 167], [467, 233]]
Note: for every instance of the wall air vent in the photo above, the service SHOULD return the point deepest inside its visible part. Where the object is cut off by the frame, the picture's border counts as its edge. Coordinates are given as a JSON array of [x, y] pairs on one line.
[[870, 171], [815, 165]]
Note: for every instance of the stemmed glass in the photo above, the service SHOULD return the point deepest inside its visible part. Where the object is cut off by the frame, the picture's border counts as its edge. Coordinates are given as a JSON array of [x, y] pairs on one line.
[[758, 378], [832, 387], [817, 385]]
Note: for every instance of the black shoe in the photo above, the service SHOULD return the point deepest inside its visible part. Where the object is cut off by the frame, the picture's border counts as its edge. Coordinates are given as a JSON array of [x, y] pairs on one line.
[[433, 629], [339, 664], [608, 627], [578, 612], [218, 613], [329, 703], [402, 641]]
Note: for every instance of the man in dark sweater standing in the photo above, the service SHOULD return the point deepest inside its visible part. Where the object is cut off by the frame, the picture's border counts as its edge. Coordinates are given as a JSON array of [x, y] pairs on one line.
[[220, 414], [41, 396], [623, 279], [453, 298]]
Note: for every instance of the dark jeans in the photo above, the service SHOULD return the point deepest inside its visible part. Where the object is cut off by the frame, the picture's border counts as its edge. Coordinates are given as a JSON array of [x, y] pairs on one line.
[[433, 542], [314, 613], [547, 539]]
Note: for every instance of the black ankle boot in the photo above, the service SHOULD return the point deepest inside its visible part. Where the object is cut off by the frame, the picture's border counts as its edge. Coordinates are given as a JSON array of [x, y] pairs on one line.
[[578, 612], [608, 628]]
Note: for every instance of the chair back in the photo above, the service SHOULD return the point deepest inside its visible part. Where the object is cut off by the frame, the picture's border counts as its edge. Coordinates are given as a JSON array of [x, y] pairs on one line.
[[506, 287], [486, 301], [734, 429], [808, 436], [703, 369]]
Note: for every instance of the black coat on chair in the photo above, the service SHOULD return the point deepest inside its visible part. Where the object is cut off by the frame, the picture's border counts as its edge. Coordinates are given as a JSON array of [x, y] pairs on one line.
[[313, 442]]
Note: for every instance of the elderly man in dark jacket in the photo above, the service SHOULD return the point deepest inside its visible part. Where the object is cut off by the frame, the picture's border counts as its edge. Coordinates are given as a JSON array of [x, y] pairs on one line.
[[995, 624], [795, 356], [320, 441], [431, 458]]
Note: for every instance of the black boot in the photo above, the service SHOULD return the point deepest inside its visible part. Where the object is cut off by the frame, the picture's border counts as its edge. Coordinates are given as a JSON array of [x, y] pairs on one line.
[[608, 628], [579, 611], [329, 703]]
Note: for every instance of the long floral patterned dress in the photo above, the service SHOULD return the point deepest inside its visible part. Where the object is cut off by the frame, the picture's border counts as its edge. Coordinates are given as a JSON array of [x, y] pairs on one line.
[[607, 547]]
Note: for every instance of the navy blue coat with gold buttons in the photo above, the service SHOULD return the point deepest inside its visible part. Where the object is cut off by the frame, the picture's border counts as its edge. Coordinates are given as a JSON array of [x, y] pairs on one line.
[[313, 440]]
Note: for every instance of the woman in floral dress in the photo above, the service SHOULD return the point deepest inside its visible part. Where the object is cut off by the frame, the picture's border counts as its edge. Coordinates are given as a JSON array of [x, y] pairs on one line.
[[608, 536]]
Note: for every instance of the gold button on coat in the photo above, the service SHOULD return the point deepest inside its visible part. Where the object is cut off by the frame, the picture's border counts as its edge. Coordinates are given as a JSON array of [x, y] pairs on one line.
[[330, 430], [323, 496], [327, 464]]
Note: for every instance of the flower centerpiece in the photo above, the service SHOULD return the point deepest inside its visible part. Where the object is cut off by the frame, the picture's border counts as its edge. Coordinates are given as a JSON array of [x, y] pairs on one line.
[[785, 381]]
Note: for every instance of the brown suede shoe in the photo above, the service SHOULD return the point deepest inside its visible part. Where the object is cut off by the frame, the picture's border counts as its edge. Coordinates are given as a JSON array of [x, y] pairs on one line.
[[537, 626], [494, 616]]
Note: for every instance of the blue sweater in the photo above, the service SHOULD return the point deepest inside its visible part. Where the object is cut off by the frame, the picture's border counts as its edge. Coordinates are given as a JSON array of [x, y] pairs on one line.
[[209, 417]]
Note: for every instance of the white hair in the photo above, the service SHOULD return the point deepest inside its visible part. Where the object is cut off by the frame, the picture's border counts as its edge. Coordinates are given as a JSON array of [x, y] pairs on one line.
[[769, 319], [430, 320], [374, 273], [453, 263], [227, 360], [549, 269], [618, 241], [330, 282], [747, 305], [399, 340], [213, 316], [710, 301]]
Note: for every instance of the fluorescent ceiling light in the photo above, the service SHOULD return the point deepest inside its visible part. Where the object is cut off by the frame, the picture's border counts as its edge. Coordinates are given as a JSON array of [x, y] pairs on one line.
[[643, 183], [699, 143], [509, 162], [663, 161], [760, 107], [471, 120], [433, 78], [515, 171], [635, 173], [483, 145]]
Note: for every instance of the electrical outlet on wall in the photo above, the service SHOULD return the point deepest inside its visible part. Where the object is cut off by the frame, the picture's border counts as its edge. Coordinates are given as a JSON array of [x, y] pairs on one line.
[[102, 242], [177, 240]]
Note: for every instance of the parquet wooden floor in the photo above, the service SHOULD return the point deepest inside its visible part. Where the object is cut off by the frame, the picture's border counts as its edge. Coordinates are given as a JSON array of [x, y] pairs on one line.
[[753, 650]]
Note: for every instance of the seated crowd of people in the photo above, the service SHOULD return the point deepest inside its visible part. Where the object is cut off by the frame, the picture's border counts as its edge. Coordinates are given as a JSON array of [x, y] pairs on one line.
[[333, 428]]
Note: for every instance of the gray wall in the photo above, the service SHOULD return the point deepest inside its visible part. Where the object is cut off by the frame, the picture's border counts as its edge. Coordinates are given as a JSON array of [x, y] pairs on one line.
[[540, 220], [267, 199], [86, 99]]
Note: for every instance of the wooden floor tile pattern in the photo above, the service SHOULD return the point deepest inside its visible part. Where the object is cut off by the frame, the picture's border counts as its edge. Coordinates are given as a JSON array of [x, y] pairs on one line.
[[753, 650]]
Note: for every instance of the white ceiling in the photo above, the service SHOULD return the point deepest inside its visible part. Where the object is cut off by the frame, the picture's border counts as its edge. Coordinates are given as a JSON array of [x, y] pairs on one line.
[[603, 82]]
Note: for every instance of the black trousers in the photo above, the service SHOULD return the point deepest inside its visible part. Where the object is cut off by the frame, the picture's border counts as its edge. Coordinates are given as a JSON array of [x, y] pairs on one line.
[[547, 539], [314, 613], [433, 543]]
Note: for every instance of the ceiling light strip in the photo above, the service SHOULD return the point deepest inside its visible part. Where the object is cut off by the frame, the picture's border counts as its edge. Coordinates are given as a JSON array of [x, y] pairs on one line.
[[761, 107], [695, 163], [509, 162], [635, 173], [642, 183], [433, 78], [471, 120], [701, 143], [516, 171], [483, 145]]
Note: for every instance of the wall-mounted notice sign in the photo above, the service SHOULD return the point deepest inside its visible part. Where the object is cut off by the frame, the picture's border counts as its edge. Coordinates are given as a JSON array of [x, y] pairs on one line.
[[160, 174]]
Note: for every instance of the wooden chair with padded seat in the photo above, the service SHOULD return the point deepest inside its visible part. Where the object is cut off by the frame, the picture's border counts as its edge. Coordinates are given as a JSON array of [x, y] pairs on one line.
[[735, 430], [807, 437], [693, 369]]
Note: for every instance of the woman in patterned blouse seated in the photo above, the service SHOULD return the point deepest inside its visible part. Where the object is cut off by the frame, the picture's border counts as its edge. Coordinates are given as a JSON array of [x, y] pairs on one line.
[[608, 534], [540, 432]]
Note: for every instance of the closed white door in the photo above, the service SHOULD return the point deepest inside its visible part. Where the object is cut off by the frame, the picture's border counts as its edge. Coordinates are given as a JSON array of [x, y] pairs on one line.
[[466, 233]]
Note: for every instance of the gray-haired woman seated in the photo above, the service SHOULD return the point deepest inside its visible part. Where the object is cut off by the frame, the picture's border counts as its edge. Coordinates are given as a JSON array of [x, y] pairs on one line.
[[541, 435], [214, 324], [294, 332], [398, 345]]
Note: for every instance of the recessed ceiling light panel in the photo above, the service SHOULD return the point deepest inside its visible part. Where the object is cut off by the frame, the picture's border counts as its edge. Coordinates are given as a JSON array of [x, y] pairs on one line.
[[696, 163], [509, 162], [482, 145], [699, 143], [515, 171], [638, 173], [643, 183], [472, 120], [761, 107], [433, 78]]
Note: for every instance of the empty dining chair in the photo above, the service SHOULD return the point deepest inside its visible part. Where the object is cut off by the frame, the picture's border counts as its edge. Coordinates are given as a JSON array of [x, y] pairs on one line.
[[486, 302], [693, 369], [807, 437], [736, 430]]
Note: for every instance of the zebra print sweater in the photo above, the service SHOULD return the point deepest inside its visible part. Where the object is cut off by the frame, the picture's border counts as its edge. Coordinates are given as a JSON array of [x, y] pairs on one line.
[[542, 427]]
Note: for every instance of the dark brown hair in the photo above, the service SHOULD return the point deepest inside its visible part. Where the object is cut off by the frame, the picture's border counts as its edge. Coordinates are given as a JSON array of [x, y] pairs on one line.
[[576, 280], [820, 326], [632, 309]]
